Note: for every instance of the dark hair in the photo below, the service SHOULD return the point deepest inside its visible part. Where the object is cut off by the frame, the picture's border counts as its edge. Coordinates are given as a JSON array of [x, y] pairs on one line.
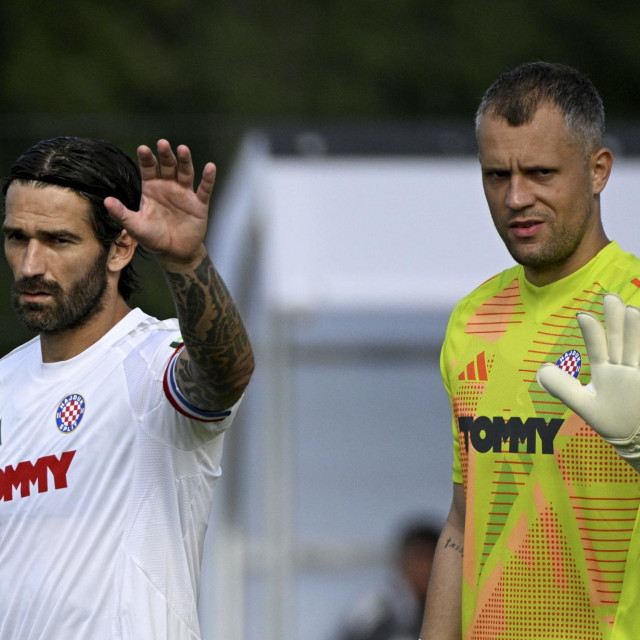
[[517, 94], [416, 532], [94, 169]]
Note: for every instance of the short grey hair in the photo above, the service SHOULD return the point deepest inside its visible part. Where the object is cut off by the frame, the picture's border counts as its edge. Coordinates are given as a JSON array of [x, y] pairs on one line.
[[516, 96]]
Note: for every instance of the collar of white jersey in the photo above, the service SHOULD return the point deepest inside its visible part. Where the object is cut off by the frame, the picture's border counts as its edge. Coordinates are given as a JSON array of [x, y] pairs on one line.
[[129, 323]]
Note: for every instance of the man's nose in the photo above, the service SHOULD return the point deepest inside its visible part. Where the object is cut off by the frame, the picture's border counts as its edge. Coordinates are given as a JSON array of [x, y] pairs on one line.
[[33, 259], [519, 194]]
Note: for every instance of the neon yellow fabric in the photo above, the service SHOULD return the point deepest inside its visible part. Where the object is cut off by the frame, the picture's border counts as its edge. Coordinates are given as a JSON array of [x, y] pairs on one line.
[[551, 508]]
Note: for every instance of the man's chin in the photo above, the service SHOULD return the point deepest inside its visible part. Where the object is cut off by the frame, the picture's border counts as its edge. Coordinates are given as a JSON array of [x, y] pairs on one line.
[[35, 317], [532, 255]]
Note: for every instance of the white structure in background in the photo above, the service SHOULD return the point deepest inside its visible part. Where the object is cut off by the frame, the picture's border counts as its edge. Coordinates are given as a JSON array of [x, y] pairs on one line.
[[346, 269]]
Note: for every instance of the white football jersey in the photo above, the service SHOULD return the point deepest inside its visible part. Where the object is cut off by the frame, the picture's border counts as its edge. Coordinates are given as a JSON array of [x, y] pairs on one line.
[[106, 482]]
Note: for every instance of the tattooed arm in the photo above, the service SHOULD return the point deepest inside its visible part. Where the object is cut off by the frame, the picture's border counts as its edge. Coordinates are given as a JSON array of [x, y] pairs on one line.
[[443, 611], [214, 369]]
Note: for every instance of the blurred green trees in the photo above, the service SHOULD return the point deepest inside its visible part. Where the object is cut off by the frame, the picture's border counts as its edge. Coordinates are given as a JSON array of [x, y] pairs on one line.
[[201, 72], [256, 58]]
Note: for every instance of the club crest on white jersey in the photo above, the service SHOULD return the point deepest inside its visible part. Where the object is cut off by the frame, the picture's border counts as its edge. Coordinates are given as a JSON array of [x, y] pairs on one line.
[[70, 412]]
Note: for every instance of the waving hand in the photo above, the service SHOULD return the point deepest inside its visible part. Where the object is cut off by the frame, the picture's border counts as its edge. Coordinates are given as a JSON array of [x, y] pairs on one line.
[[216, 365], [172, 219], [610, 404]]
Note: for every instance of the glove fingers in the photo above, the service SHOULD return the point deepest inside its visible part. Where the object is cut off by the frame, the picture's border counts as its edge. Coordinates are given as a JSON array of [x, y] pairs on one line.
[[614, 318], [631, 347], [595, 338]]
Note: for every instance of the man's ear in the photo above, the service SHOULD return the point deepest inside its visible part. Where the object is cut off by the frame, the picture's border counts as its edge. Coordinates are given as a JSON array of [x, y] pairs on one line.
[[121, 252], [601, 163]]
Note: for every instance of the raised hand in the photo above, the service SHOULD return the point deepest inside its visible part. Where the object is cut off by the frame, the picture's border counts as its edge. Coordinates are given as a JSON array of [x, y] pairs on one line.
[[610, 404], [172, 219]]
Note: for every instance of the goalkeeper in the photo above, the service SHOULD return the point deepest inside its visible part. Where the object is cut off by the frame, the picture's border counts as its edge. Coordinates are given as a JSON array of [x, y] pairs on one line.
[[540, 541]]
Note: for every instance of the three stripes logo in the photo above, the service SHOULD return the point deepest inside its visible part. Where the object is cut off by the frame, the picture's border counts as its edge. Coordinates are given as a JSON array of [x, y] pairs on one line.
[[476, 370]]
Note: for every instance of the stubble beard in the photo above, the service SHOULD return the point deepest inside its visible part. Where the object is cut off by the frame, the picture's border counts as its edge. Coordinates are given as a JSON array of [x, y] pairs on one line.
[[562, 243], [68, 309]]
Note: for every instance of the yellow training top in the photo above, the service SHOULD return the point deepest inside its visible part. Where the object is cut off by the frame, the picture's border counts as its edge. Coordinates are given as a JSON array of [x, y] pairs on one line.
[[551, 507]]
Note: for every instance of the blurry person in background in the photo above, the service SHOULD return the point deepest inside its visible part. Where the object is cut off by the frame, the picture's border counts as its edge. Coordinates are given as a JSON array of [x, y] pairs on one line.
[[394, 612]]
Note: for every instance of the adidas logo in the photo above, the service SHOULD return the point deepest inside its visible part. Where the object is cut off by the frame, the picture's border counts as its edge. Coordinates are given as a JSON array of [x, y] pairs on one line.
[[475, 370]]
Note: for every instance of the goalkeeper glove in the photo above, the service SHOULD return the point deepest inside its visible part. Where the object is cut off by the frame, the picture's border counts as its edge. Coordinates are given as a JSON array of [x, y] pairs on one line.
[[610, 404]]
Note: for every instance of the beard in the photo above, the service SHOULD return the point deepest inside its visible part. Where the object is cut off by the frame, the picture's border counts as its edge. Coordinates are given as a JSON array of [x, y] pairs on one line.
[[66, 309], [561, 246], [561, 243]]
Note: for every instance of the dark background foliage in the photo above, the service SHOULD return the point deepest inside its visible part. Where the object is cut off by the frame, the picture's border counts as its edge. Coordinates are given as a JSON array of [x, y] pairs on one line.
[[203, 73]]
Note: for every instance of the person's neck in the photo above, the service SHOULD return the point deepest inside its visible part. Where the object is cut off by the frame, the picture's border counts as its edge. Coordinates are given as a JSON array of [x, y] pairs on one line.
[[540, 277], [64, 345]]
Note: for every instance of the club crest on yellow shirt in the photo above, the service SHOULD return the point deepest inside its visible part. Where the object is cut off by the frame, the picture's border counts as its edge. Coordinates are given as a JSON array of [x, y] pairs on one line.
[[570, 361]]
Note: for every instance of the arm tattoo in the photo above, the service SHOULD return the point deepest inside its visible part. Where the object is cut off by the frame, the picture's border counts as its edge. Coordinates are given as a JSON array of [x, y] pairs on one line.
[[219, 360], [450, 544]]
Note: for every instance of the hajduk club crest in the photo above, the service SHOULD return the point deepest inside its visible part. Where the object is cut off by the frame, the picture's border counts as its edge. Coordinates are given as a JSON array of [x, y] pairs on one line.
[[70, 412], [570, 361]]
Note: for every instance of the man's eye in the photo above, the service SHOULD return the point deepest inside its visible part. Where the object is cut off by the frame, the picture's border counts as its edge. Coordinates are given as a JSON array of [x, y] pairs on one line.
[[59, 240]]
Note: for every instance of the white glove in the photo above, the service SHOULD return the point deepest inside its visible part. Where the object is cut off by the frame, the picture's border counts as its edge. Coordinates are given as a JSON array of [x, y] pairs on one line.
[[610, 404]]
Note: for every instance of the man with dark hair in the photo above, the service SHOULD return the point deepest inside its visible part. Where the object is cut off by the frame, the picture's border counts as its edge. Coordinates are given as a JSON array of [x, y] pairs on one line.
[[94, 168], [540, 533], [111, 422]]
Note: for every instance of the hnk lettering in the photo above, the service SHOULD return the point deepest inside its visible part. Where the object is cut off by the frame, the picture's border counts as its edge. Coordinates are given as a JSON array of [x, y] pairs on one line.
[[27, 474], [499, 436]]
